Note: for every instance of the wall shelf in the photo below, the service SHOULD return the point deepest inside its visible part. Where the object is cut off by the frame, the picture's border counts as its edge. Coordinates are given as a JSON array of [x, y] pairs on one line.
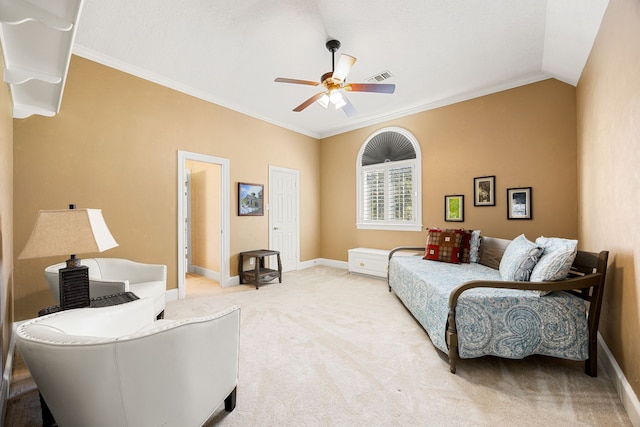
[[37, 40]]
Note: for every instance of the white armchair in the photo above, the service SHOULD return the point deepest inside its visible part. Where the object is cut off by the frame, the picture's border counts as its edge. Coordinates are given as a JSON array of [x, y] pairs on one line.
[[108, 276], [116, 366]]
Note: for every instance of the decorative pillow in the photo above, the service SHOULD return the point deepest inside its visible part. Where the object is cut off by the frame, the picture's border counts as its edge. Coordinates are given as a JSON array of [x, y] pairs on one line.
[[443, 245], [470, 246], [465, 248], [523, 272], [474, 253], [556, 259], [519, 259]]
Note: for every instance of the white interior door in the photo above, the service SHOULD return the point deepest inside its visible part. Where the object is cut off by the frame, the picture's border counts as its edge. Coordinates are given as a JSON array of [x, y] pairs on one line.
[[284, 215]]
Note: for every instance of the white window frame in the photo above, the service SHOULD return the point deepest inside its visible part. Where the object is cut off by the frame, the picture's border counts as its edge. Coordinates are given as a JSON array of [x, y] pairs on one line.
[[388, 224]]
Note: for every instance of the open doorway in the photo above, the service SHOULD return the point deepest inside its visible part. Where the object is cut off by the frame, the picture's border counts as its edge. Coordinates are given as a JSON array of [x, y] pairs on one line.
[[202, 228], [203, 218]]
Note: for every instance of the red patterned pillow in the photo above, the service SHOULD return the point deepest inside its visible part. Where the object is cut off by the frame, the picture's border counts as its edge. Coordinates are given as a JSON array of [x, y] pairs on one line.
[[465, 249], [444, 245]]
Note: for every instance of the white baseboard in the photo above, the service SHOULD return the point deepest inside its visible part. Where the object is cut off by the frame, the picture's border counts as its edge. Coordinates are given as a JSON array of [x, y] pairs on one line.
[[6, 375], [625, 392], [213, 275], [336, 264], [209, 274], [325, 262], [235, 280], [171, 294]]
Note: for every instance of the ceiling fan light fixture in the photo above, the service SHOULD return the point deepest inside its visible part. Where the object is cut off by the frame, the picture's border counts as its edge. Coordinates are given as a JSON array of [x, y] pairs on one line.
[[334, 83], [341, 103], [324, 100], [335, 96]]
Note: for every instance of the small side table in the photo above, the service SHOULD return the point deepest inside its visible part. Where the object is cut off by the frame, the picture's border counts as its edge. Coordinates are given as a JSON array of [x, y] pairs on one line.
[[105, 301], [260, 275]]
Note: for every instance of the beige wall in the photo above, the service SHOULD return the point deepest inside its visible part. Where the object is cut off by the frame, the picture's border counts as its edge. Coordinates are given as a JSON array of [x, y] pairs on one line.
[[205, 214], [114, 146], [608, 172], [6, 220], [526, 137]]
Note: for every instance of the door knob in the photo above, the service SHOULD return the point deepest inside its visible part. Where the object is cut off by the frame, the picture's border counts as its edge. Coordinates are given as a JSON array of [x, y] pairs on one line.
[[276, 228]]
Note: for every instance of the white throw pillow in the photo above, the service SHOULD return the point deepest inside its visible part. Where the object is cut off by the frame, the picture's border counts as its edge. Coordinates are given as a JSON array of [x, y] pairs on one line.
[[556, 259], [474, 253], [519, 259]]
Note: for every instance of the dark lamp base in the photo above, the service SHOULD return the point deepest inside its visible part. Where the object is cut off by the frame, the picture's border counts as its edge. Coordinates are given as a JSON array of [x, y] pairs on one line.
[[73, 262], [74, 287]]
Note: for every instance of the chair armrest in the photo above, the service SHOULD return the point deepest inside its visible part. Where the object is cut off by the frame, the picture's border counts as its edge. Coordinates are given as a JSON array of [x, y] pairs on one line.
[[148, 273], [135, 272], [198, 359], [101, 287], [112, 321]]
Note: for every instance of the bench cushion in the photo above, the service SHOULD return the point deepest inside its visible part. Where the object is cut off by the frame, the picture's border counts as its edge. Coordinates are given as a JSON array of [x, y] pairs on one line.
[[501, 322]]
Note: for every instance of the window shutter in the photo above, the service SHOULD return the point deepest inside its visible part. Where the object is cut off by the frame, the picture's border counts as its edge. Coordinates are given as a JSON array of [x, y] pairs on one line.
[[373, 197], [401, 193], [389, 182]]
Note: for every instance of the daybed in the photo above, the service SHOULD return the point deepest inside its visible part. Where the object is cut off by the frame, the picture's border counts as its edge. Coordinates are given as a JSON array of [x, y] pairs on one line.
[[469, 310]]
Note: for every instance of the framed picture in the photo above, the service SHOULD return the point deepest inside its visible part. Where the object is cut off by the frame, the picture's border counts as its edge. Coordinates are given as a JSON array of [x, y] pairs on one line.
[[250, 199], [454, 208], [484, 193], [519, 203]]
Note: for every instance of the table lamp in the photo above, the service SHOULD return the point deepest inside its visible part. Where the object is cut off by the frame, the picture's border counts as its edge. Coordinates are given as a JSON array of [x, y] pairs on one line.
[[70, 231]]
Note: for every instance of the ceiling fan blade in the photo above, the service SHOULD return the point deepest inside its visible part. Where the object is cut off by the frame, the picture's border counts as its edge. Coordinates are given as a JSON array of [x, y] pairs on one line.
[[348, 107], [308, 102], [344, 65], [296, 81], [371, 87]]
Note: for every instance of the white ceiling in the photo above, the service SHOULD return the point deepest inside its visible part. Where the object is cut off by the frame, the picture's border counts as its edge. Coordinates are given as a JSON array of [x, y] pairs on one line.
[[229, 51]]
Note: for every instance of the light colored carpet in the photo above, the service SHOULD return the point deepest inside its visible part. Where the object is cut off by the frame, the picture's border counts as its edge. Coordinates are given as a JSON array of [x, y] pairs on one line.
[[327, 348]]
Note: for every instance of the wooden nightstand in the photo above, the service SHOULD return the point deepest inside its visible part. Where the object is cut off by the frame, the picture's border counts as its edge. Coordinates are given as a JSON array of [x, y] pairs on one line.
[[259, 275]]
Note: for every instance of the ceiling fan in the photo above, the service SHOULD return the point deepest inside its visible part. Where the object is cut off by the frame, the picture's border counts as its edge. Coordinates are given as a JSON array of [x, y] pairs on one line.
[[335, 84]]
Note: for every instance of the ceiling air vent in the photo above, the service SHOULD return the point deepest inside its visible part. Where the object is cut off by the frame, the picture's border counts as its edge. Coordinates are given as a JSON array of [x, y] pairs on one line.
[[380, 77]]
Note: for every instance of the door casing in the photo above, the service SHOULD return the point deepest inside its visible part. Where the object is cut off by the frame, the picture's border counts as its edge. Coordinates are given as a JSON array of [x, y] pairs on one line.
[[183, 156]]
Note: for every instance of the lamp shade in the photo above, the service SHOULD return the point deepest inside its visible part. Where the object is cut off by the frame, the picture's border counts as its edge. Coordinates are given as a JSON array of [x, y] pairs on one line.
[[68, 231]]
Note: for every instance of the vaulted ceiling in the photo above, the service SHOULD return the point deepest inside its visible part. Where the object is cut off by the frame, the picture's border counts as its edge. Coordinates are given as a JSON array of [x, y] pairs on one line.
[[438, 52]]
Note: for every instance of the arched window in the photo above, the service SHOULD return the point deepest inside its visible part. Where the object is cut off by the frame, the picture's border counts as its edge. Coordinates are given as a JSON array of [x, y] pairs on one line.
[[389, 181]]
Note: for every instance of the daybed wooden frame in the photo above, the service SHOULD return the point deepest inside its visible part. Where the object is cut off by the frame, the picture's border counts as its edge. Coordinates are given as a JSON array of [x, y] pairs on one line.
[[586, 280]]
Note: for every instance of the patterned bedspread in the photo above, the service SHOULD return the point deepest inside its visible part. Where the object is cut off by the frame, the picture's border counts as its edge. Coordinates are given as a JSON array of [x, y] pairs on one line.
[[500, 322]]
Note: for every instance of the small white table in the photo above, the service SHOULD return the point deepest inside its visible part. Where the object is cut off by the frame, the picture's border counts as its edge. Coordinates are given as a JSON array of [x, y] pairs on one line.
[[372, 262]]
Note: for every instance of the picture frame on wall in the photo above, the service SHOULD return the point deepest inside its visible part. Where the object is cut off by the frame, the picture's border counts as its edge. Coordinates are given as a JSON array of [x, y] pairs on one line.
[[519, 203], [250, 199], [484, 191], [454, 208]]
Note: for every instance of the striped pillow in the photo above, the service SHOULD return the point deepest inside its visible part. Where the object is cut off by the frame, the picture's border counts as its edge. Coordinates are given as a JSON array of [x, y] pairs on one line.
[[556, 259], [519, 259]]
